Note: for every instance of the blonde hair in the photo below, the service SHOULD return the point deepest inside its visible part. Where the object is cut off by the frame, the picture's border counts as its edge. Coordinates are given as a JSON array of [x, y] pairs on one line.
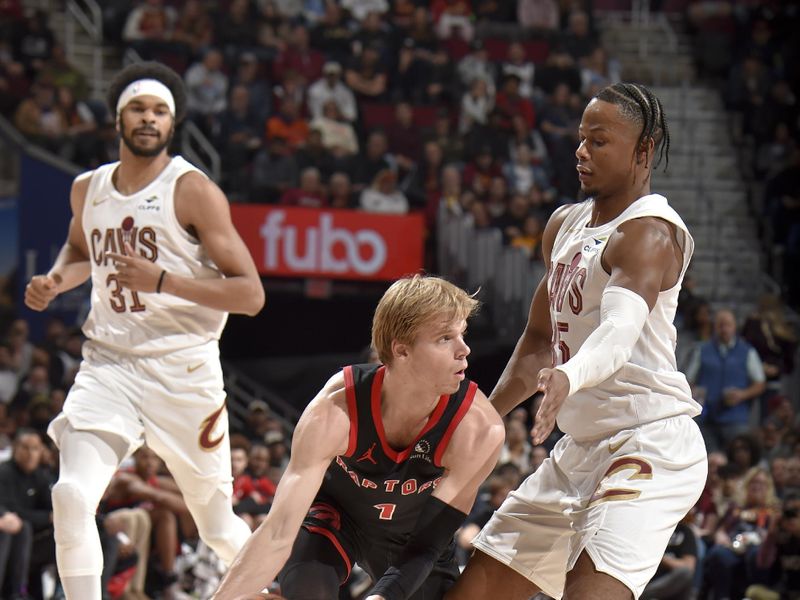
[[412, 302]]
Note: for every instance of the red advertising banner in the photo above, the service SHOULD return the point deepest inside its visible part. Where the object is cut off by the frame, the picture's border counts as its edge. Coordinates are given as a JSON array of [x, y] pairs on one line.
[[337, 244]]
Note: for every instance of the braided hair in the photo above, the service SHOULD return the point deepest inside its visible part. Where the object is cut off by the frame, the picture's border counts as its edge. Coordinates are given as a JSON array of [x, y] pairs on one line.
[[641, 106]]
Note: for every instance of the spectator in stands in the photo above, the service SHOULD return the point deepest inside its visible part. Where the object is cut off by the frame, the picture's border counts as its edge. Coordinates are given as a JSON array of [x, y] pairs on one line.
[[559, 67], [240, 137], [13, 81], [25, 490], [559, 123], [340, 191], [259, 92], [144, 487], [374, 32], [315, 154], [775, 340], [366, 77], [403, 137], [248, 502], [476, 65], [423, 184], [39, 119], [299, 57], [529, 240], [260, 467], [538, 15], [274, 171], [698, 327], [744, 452], [194, 28], [675, 575], [510, 103], [450, 198], [453, 19], [410, 74], [374, 158], [8, 377], [238, 29], [493, 492], [258, 421], [35, 383], [336, 134], [742, 529], [332, 36], [80, 144], [777, 464], [359, 9], [206, 90], [727, 373], [522, 174], [148, 28], [781, 551], [383, 196], [476, 105], [61, 73], [421, 31], [579, 41], [331, 87], [16, 539], [288, 124], [33, 42], [273, 31], [479, 173], [517, 64], [310, 194], [517, 448]]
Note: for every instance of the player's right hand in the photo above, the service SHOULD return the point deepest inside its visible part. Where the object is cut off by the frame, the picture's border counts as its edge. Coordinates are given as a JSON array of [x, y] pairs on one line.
[[40, 291]]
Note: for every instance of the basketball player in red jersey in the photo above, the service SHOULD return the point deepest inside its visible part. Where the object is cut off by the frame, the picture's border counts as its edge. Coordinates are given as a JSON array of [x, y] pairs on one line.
[[167, 266], [593, 521], [386, 461]]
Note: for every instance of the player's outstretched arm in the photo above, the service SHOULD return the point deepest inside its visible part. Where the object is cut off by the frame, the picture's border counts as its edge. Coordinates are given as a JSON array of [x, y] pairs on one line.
[[468, 461], [643, 258], [203, 209], [533, 351], [71, 267], [320, 435]]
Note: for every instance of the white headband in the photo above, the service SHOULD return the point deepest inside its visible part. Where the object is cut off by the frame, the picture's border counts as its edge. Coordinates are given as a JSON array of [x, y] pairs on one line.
[[146, 87]]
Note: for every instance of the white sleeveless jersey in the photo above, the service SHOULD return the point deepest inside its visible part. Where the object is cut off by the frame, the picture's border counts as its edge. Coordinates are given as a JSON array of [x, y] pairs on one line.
[[137, 322], [646, 388]]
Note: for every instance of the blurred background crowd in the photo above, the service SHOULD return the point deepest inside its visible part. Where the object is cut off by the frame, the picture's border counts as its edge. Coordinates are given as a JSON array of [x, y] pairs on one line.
[[450, 107]]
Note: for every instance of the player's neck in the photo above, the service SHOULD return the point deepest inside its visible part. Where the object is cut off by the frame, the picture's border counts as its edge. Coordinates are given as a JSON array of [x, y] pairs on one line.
[[608, 207], [134, 173], [403, 395]]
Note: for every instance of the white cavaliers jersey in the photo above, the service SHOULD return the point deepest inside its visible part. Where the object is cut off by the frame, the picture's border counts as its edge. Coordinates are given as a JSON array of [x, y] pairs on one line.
[[646, 388], [137, 322]]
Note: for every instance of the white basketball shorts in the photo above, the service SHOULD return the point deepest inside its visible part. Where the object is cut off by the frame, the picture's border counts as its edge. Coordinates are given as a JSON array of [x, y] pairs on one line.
[[618, 498], [175, 403]]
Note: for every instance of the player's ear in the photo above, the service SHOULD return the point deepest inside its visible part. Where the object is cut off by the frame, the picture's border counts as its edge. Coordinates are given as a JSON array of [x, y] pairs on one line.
[[399, 349]]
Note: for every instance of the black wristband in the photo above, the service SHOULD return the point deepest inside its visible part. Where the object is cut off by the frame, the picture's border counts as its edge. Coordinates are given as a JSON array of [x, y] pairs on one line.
[[160, 281]]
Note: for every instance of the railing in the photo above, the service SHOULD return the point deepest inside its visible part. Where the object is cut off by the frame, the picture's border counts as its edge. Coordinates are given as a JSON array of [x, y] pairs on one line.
[[475, 259], [243, 390], [88, 15], [199, 151]]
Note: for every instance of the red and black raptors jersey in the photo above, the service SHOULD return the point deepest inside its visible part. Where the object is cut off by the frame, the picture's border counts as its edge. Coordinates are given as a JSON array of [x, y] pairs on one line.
[[380, 490]]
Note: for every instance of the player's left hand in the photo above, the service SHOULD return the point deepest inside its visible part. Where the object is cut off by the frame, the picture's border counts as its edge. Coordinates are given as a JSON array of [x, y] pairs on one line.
[[135, 272], [555, 387]]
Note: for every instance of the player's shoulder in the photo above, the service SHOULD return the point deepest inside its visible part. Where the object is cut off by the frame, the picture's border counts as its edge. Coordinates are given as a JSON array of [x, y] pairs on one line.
[[554, 224], [482, 423], [331, 401]]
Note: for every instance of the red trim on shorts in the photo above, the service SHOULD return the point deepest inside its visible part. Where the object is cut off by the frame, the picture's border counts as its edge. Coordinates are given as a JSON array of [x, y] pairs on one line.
[[352, 409], [462, 410], [336, 544], [433, 419]]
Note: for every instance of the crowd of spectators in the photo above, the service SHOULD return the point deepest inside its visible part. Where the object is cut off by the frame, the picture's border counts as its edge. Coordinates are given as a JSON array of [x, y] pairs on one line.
[[407, 106], [381, 106]]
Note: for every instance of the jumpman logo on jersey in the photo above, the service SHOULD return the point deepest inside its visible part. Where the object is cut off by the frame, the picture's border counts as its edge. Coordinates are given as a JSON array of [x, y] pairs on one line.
[[368, 455]]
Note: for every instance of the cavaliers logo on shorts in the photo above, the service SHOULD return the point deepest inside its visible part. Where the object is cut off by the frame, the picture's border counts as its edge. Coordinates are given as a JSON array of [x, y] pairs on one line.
[[208, 425]]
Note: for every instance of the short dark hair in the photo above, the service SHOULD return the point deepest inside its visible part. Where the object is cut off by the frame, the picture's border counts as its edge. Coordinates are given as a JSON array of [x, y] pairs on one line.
[[641, 106], [148, 70]]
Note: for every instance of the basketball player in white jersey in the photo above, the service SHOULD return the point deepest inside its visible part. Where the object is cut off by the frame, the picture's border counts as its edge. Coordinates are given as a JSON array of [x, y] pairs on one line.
[[167, 266], [595, 518]]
